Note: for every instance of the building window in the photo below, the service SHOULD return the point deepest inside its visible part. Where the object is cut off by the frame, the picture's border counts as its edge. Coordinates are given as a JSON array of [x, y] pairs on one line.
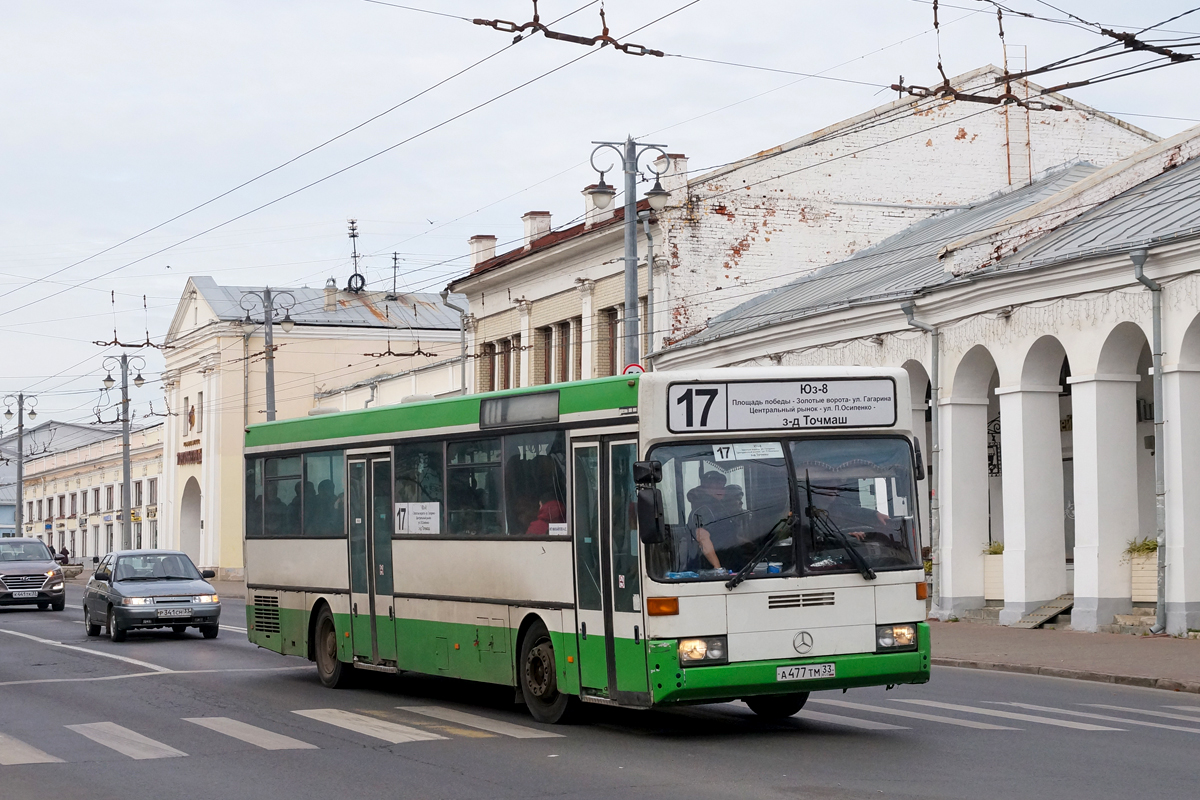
[[96, 540], [108, 538], [153, 534], [108, 498], [137, 494], [152, 491], [564, 352], [49, 508], [83, 503], [29, 511], [62, 505], [39, 510], [137, 536], [544, 364], [74, 504], [96, 500]]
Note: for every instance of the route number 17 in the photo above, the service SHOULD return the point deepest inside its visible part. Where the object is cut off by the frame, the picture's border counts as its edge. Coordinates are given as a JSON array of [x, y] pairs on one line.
[[690, 399]]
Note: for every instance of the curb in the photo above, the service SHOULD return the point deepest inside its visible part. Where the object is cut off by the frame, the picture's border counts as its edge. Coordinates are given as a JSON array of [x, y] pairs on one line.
[[1165, 684]]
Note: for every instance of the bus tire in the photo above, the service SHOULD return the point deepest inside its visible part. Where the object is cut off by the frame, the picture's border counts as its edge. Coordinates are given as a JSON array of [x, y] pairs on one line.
[[777, 706], [333, 673], [537, 673]]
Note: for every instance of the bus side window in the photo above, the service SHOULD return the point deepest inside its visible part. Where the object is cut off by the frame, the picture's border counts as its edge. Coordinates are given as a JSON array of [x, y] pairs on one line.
[[535, 492], [281, 506], [420, 478], [254, 497], [324, 506], [473, 488]]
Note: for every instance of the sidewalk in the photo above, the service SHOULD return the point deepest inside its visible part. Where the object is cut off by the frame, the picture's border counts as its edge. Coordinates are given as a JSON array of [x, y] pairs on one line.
[[1150, 661]]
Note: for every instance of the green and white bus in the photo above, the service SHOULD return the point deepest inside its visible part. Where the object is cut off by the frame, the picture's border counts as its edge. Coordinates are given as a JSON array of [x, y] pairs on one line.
[[642, 540]]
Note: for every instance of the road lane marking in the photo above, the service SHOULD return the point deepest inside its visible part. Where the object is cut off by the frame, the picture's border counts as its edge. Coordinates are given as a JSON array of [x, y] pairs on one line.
[[368, 726], [233, 628], [1052, 710], [483, 723], [100, 653], [991, 712], [171, 672], [1141, 711], [13, 751], [259, 737], [901, 712], [1186, 708], [125, 741], [852, 722]]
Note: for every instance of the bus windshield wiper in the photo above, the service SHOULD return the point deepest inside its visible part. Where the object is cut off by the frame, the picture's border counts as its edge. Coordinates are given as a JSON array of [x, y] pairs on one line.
[[820, 519], [744, 572]]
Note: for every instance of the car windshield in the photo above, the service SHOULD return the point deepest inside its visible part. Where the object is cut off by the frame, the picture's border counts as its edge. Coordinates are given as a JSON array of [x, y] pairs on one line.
[[858, 500], [156, 567], [25, 551], [723, 503]]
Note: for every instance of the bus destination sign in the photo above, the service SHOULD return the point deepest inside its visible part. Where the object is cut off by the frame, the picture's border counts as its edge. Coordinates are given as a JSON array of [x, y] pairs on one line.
[[782, 405]]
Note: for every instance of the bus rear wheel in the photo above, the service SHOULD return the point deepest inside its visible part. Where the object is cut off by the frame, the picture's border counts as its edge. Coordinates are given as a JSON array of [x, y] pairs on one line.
[[538, 676], [333, 673], [777, 706]]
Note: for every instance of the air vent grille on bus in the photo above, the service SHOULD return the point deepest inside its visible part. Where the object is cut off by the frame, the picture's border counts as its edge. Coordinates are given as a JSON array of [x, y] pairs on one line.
[[800, 600], [266, 613]]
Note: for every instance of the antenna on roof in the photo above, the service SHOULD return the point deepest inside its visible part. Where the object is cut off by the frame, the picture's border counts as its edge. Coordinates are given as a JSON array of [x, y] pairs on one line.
[[395, 268], [357, 282]]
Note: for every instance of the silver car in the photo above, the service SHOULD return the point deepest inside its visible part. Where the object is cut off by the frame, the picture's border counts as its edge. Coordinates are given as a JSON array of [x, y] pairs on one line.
[[30, 575], [136, 589]]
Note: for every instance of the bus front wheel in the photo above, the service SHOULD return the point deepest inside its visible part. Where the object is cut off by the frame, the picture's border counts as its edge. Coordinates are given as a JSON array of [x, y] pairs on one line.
[[777, 706], [333, 673], [538, 675]]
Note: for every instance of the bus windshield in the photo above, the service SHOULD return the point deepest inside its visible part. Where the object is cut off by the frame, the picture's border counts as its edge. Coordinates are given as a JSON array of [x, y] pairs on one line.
[[723, 503], [857, 497]]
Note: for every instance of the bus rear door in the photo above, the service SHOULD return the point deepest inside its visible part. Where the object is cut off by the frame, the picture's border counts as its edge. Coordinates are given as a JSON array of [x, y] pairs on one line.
[[369, 502]]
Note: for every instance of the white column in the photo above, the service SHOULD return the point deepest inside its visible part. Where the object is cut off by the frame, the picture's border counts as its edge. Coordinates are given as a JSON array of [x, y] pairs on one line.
[[1106, 495], [1181, 432], [1035, 569], [587, 329], [964, 503]]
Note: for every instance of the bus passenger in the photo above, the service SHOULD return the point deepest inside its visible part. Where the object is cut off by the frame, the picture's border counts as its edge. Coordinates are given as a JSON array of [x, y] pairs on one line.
[[550, 511]]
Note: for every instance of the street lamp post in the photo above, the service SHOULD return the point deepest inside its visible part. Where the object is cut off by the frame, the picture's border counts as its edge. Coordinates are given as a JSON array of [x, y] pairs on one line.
[[602, 194], [20, 400], [126, 472], [268, 299]]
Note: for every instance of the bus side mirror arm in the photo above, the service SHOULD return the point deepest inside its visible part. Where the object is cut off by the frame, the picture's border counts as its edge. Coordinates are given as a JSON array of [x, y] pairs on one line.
[[651, 528]]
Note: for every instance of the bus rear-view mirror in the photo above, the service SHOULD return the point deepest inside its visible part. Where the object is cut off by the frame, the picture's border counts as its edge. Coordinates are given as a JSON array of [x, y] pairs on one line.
[[647, 472], [651, 528]]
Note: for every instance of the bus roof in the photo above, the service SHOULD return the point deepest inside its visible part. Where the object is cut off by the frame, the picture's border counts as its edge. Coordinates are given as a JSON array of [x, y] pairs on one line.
[[597, 394]]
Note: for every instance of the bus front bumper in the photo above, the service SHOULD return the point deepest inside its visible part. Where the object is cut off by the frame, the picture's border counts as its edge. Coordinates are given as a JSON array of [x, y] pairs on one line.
[[669, 683]]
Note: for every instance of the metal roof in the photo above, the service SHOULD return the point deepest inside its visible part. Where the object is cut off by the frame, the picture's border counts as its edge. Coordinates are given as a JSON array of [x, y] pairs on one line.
[[1163, 208], [422, 311], [899, 266]]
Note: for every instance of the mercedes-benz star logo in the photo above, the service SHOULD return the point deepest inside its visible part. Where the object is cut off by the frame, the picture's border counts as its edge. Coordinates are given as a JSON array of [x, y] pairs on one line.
[[803, 642]]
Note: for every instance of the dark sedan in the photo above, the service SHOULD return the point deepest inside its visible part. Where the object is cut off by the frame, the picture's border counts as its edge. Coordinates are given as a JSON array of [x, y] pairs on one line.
[[30, 575], [136, 589]]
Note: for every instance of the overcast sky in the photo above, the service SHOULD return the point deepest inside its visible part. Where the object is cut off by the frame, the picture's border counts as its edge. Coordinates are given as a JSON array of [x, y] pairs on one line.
[[117, 116]]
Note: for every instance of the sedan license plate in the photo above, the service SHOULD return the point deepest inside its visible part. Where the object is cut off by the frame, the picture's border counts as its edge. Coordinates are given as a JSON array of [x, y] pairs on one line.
[[805, 672], [174, 612], [24, 594]]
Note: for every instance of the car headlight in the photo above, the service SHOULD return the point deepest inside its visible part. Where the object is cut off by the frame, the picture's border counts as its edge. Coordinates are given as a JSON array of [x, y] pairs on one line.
[[56, 586], [896, 637], [710, 650], [50, 573], [136, 601], [204, 598]]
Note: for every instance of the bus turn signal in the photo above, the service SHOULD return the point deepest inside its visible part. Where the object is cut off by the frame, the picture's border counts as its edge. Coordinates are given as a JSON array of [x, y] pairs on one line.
[[662, 606], [922, 591]]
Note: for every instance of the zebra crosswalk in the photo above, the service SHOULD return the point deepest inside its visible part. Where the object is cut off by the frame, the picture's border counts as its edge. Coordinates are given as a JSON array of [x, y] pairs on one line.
[[420, 725]]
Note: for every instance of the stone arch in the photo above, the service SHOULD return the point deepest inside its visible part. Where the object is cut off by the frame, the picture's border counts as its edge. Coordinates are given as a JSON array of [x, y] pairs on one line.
[[1189, 346], [189, 520], [1043, 363], [1123, 347], [974, 374]]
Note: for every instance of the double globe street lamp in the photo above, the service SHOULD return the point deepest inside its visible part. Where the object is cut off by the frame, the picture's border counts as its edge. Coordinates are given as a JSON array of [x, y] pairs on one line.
[[270, 301]]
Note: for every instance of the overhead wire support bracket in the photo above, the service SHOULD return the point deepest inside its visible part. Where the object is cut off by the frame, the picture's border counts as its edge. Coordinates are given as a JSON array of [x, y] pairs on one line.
[[1007, 98], [535, 25]]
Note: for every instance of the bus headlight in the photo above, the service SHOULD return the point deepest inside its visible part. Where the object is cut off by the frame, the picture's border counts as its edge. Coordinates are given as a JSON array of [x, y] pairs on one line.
[[895, 637], [710, 650]]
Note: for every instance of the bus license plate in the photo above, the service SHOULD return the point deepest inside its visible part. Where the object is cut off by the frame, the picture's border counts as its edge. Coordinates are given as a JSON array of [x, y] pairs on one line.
[[804, 672], [174, 612], [24, 594]]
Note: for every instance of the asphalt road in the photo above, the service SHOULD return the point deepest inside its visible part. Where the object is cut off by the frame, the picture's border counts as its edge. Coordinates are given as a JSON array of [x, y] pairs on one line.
[[102, 727]]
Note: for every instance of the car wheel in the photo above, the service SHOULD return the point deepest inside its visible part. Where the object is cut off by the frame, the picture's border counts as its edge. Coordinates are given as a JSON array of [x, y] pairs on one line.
[[539, 678], [333, 673], [92, 628], [59, 604], [178, 630], [777, 706], [115, 632], [210, 631]]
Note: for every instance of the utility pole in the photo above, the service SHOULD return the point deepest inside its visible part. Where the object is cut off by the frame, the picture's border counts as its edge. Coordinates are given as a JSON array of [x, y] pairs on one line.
[[20, 399], [267, 299], [602, 194], [126, 471]]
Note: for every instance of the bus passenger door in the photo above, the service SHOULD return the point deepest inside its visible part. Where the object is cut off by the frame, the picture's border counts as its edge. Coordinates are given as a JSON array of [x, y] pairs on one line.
[[589, 581], [369, 502], [626, 629]]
